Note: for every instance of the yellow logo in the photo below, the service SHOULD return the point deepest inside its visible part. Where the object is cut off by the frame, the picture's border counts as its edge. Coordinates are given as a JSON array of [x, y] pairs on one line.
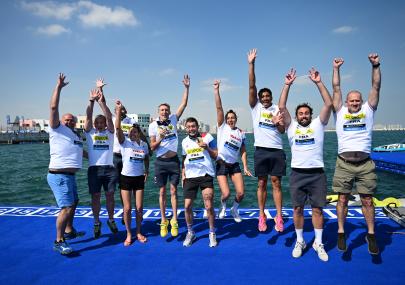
[[100, 138], [355, 117], [267, 115], [304, 132], [194, 150]]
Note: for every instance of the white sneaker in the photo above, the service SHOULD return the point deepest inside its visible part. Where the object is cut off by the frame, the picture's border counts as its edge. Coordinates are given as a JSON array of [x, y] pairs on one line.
[[190, 237], [299, 248], [235, 215], [222, 212], [321, 251], [213, 240]]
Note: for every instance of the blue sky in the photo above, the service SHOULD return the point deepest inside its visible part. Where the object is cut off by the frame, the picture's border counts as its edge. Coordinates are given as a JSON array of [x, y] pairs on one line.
[[143, 48]]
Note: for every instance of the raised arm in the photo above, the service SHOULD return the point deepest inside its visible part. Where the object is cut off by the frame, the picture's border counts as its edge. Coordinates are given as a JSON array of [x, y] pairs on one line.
[[94, 95], [218, 103], [337, 92], [103, 105], [374, 95], [54, 104], [282, 103], [327, 100], [118, 131], [184, 100], [252, 78]]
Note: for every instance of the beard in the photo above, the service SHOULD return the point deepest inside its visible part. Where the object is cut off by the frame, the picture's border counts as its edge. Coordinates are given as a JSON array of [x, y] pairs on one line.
[[304, 122]]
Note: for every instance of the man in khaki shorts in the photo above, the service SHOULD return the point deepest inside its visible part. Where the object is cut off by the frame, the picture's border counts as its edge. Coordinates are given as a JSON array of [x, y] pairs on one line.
[[354, 126]]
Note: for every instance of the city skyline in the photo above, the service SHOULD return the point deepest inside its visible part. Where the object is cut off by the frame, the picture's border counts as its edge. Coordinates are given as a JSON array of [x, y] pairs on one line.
[[144, 48]]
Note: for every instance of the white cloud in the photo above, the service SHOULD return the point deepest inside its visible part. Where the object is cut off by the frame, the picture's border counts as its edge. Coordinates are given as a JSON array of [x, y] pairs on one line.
[[344, 30], [167, 72], [224, 86], [52, 30], [50, 9], [98, 16]]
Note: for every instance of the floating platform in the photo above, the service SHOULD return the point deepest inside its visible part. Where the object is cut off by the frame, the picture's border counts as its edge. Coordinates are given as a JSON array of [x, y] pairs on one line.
[[390, 161], [243, 255]]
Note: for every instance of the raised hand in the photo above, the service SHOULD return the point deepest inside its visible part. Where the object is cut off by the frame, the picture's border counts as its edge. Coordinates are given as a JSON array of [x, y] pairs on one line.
[[252, 55], [100, 83], [61, 81], [314, 75], [186, 81], [118, 106], [216, 84], [290, 77], [374, 59], [337, 62], [94, 95]]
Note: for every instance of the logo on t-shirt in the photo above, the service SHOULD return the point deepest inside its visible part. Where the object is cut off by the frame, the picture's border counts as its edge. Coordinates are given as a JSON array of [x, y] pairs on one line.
[[100, 142], [195, 154], [354, 122], [265, 120], [304, 136]]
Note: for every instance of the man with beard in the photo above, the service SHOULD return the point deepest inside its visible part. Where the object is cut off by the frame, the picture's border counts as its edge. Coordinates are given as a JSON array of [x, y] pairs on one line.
[[269, 155], [307, 179], [354, 127], [198, 173]]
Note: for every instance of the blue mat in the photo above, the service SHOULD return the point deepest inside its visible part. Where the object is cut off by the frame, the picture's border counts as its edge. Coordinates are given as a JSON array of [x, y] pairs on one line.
[[243, 255]]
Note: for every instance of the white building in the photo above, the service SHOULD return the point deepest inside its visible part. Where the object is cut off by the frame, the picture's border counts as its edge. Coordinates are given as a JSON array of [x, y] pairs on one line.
[[143, 121]]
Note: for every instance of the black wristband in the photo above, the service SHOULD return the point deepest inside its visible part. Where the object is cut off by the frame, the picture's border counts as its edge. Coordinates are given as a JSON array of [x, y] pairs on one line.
[[91, 101], [376, 65]]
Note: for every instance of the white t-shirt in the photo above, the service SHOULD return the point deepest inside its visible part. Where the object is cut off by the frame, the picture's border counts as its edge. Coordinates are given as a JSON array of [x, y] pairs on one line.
[[198, 161], [126, 124], [100, 147], [266, 133], [133, 156], [170, 141], [230, 142], [306, 144], [354, 131], [65, 147]]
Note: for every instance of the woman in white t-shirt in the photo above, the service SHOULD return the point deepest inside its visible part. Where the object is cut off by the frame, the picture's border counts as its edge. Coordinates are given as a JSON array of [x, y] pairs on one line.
[[231, 146], [135, 169]]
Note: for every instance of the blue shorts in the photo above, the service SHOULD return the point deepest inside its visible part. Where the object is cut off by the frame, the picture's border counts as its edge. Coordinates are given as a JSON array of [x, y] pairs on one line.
[[102, 176], [64, 189]]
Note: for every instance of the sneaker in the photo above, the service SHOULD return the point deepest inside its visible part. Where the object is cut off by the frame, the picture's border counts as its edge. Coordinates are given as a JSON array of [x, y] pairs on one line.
[[299, 248], [190, 237], [341, 242], [174, 230], [213, 240], [113, 226], [235, 215], [63, 247], [163, 228], [222, 212], [372, 244], [97, 230], [321, 251], [279, 226], [262, 226], [73, 234]]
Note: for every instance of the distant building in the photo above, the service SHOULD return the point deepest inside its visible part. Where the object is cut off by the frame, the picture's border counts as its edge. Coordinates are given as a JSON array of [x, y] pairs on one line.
[[143, 121]]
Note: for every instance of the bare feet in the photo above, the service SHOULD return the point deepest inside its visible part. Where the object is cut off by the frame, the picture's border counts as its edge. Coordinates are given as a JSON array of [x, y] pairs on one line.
[[128, 242], [141, 238]]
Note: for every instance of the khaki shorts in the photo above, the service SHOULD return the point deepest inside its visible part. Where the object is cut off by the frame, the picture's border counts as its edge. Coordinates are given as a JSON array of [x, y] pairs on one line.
[[362, 174]]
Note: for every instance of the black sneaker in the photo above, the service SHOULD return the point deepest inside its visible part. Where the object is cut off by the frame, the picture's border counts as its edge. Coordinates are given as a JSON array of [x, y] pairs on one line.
[[372, 244], [113, 226], [73, 234], [63, 247], [341, 242], [97, 230]]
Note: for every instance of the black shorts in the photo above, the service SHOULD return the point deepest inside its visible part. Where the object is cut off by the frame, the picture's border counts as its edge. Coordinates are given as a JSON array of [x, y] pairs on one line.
[[130, 183], [101, 176], [269, 161], [191, 185], [223, 168], [167, 168], [117, 161], [308, 184]]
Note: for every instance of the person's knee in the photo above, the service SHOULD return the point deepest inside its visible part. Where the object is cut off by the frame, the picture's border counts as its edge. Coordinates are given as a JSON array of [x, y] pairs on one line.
[[173, 190], [299, 211], [343, 199], [367, 200], [276, 183], [162, 192], [109, 196], [317, 212], [262, 184], [127, 209]]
